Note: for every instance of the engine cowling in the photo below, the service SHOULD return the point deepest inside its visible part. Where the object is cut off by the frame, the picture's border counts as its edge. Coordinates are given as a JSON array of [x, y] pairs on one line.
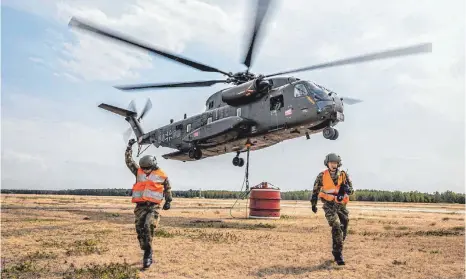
[[247, 92]]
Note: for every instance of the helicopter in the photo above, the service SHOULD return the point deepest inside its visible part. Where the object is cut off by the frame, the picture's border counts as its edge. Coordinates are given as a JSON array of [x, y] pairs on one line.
[[256, 112]]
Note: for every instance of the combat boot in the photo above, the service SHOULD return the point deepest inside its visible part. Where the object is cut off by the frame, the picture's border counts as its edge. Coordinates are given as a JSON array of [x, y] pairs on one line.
[[338, 258], [147, 261]]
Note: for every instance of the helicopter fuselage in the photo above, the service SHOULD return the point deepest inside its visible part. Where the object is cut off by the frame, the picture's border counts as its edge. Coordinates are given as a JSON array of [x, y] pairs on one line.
[[289, 109]]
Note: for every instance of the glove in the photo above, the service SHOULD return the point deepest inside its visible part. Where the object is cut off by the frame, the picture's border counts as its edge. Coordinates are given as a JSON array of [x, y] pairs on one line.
[[166, 206], [346, 189], [131, 142], [341, 193], [314, 208]]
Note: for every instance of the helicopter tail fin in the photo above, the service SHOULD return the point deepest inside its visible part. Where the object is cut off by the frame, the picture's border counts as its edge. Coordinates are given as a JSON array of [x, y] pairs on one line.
[[130, 116], [117, 110]]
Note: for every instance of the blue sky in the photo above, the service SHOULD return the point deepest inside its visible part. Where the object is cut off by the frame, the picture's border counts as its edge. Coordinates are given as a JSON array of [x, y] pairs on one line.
[[408, 134]]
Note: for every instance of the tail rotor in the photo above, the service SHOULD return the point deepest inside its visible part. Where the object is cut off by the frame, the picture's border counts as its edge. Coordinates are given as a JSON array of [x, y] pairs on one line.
[[132, 107], [146, 108], [127, 134]]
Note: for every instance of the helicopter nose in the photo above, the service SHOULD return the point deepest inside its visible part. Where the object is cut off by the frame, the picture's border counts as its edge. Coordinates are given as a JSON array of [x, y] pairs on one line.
[[338, 103], [332, 110]]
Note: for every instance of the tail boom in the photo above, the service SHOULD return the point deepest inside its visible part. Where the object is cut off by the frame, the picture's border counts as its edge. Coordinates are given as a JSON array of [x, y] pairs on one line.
[[130, 116]]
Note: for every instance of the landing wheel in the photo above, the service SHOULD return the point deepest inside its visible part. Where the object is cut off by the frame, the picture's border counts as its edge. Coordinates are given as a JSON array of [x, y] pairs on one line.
[[241, 162], [329, 133], [236, 161], [335, 136], [195, 154]]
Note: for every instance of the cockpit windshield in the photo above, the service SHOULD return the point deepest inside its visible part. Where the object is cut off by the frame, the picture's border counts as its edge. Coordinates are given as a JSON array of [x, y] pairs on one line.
[[316, 92]]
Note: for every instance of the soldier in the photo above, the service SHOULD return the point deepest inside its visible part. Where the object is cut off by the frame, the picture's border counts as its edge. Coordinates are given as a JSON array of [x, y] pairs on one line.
[[151, 187], [333, 187]]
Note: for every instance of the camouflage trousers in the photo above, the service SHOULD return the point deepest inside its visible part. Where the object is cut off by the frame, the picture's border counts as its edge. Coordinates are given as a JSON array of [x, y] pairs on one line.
[[337, 218], [146, 220]]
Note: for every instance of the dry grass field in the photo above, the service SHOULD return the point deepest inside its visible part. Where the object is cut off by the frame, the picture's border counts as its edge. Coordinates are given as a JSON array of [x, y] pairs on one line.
[[94, 237]]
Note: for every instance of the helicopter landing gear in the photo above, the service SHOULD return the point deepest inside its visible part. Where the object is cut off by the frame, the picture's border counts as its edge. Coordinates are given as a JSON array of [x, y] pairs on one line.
[[237, 161], [336, 135], [195, 153], [330, 133]]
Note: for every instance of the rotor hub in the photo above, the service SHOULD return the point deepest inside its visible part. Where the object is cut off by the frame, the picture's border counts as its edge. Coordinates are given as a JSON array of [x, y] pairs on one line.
[[241, 77]]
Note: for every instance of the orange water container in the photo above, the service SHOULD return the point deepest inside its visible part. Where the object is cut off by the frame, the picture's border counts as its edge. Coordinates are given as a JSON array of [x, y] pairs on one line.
[[264, 202]]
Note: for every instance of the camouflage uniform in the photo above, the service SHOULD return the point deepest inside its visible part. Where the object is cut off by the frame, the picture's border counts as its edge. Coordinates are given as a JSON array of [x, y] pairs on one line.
[[146, 214], [335, 213]]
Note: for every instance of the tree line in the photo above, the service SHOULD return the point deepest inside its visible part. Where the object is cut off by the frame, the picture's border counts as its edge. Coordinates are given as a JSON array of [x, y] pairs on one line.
[[359, 195]]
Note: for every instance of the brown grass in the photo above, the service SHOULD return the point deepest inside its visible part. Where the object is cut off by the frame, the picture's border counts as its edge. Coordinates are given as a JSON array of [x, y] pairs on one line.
[[94, 237]]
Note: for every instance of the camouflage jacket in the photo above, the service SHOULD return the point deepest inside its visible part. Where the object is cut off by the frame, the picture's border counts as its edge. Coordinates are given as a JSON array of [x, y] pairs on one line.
[[133, 167], [318, 184]]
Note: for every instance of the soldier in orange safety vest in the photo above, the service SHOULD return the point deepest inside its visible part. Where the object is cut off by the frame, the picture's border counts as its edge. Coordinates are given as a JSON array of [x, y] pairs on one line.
[[151, 187], [333, 186]]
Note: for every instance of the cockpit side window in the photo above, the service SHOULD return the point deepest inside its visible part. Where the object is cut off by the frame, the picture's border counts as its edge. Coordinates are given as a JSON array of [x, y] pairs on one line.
[[300, 90], [316, 92]]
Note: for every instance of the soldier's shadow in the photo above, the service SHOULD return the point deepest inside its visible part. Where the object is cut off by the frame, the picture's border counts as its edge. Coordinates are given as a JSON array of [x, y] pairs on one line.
[[294, 270]]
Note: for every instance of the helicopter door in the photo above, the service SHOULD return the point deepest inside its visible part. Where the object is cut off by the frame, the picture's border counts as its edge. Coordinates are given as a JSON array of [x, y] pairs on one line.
[[277, 112]]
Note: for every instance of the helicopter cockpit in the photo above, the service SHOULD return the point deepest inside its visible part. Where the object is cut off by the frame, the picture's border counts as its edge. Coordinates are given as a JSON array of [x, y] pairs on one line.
[[319, 93], [307, 88]]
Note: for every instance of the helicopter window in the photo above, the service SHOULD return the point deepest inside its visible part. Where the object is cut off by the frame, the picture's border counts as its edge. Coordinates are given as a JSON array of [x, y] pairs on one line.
[[211, 104], [238, 112], [316, 92], [209, 120], [300, 90], [179, 127], [276, 103], [188, 128]]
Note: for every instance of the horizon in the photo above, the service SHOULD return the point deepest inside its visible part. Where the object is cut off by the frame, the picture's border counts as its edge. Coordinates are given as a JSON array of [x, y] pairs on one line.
[[222, 190]]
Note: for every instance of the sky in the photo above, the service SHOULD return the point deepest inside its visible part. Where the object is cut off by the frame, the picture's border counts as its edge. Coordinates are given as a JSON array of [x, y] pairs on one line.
[[408, 134]]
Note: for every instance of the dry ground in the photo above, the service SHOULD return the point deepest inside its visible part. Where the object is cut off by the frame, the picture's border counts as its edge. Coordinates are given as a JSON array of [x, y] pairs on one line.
[[94, 237]]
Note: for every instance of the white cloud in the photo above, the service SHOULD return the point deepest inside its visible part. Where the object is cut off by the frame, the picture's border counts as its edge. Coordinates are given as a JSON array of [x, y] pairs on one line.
[[26, 160], [407, 134], [36, 60], [150, 21]]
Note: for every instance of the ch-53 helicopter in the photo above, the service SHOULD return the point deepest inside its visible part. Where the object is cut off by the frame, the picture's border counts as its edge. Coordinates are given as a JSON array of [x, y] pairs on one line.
[[256, 112]]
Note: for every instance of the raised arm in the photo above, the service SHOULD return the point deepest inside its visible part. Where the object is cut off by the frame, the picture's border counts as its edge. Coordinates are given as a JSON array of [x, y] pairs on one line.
[[130, 163]]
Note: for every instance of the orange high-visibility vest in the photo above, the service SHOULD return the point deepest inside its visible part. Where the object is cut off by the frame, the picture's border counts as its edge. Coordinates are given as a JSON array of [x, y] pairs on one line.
[[329, 190], [149, 187]]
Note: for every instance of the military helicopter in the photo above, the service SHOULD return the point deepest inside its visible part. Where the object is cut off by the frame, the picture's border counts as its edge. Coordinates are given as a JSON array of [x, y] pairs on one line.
[[258, 111]]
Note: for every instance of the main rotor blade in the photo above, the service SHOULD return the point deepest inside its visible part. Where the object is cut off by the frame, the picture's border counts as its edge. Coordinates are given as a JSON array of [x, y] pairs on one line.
[[261, 11], [427, 47], [146, 108], [79, 23], [169, 85]]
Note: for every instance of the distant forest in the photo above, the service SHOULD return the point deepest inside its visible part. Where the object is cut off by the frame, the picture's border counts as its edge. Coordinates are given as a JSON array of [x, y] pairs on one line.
[[360, 195]]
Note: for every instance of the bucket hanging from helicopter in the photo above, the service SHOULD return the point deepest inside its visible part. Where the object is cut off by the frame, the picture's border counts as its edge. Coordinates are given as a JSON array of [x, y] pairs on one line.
[[264, 202]]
